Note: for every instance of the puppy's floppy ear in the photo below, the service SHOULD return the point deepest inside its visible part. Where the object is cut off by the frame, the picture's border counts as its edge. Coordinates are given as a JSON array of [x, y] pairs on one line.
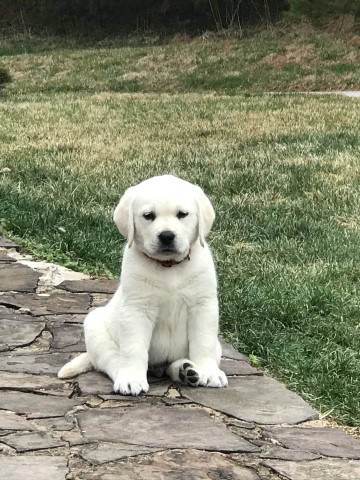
[[206, 215], [124, 216]]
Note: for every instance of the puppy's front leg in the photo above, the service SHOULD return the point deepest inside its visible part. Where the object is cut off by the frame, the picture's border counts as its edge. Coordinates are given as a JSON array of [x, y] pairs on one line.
[[204, 347], [134, 342]]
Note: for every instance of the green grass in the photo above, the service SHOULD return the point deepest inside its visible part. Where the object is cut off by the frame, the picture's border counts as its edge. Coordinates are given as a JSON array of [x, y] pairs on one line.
[[282, 170]]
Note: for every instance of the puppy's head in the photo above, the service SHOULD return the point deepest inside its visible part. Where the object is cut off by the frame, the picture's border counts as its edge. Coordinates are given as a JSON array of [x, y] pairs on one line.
[[164, 216]]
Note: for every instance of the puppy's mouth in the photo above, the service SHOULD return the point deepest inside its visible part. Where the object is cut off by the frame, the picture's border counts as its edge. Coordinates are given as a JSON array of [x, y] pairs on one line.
[[175, 251], [167, 251], [164, 253], [168, 257]]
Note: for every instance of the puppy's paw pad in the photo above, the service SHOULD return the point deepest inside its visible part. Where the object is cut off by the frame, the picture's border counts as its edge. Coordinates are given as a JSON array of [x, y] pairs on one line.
[[188, 375]]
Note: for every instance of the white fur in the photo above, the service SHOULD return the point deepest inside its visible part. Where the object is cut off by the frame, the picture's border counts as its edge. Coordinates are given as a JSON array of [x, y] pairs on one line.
[[158, 315]]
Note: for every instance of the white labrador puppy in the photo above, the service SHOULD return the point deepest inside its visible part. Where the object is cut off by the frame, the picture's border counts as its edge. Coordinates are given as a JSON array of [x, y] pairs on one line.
[[165, 311]]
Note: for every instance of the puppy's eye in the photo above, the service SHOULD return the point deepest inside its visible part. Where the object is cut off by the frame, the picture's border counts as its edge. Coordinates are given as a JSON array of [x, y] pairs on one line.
[[149, 216], [182, 214]]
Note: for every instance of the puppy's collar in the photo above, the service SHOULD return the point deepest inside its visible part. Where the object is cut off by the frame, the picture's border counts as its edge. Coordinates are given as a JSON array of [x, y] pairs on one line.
[[168, 263]]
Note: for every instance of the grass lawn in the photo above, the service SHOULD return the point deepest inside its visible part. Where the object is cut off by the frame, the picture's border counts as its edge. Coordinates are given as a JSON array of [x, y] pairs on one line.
[[283, 172]]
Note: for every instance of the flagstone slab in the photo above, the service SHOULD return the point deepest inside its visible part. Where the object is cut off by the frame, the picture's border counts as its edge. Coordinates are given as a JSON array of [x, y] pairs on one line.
[[47, 363], [253, 398], [18, 333], [36, 383], [322, 469], [241, 424], [74, 438], [37, 406], [30, 467], [25, 442], [125, 400], [17, 277], [91, 285], [175, 465], [329, 442], [94, 383], [5, 258], [229, 351], [48, 304], [175, 401], [6, 243], [10, 313], [100, 299], [158, 389], [281, 453], [100, 453], [11, 421], [153, 426], [237, 367], [68, 338], [62, 424], [60, 319]]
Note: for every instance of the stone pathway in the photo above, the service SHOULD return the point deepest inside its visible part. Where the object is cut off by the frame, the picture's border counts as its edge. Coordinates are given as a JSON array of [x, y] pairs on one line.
[[351, 93], [50, 429]]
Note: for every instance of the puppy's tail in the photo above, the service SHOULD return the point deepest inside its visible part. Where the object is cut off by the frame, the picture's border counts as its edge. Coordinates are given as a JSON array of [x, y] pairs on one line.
[[77, 365]]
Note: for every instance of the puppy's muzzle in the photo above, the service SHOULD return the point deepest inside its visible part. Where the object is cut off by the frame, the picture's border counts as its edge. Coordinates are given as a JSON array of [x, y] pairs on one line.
[[166, 240]]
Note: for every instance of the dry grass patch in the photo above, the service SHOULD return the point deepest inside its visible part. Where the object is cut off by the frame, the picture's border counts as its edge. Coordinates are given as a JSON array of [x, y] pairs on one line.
[[303, 55], [273, 60]]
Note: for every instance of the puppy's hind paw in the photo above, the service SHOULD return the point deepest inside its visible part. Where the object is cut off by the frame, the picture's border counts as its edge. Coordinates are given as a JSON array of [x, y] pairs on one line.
[[188, 374]]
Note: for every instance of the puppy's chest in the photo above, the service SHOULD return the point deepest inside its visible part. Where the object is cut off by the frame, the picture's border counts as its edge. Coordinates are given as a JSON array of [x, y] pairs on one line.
[[170, 335], [173, 311]]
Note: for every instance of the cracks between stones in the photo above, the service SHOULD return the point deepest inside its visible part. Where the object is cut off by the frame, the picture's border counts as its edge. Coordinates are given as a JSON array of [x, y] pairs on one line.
[[28, 344]]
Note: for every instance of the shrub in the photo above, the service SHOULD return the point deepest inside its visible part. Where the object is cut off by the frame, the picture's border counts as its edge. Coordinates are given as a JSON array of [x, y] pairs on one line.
[[61, 16], [5, 78], [318, 9]]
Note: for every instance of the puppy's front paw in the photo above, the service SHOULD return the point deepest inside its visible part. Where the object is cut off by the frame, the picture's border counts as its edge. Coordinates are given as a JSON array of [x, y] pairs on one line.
[[188, 374], [213, 377], [128, 384]]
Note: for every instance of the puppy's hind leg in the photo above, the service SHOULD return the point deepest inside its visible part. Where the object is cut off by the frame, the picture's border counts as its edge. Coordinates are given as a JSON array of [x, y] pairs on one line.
[[107, 355], [194, 374], [101, 347], [76, 366], [184, 371]]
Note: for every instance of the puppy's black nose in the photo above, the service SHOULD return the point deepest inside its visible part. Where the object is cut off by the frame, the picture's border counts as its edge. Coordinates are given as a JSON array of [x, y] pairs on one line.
[[166, 237]]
